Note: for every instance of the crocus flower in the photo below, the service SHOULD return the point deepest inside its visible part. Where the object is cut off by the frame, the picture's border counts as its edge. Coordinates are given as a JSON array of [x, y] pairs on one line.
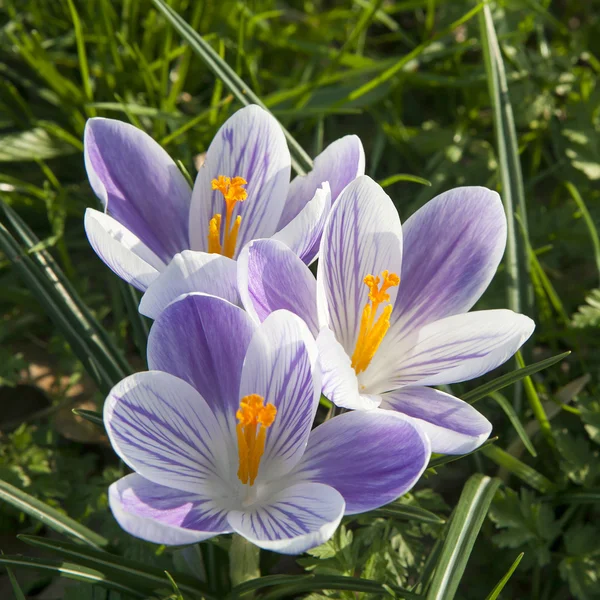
[[389, 305], [219, 437], [242, 192]]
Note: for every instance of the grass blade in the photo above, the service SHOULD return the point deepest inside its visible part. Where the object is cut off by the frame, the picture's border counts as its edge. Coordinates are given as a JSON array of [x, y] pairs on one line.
[[89, 415], [301, 162], [505, 380], [506, 406], [408, 513], [524, 472], [18, 592], [511, 176], [500, 585], [443, 460], [464, 527], [70, 571], [50, 516], [119, 569], [289, 585]]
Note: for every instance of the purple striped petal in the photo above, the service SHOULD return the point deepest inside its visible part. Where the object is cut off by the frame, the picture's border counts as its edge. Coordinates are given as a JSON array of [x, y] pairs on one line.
[[203, 340], [452, 248], [139, 184], [340, 384], [339, 164], [281, 366], [272, 277], [163, 515], [452, 426], [454, 349], [122, 251], [164, 430], [362, 236], [292, 520], [188, 272], [250, 144], [303, 233], [370, 457]]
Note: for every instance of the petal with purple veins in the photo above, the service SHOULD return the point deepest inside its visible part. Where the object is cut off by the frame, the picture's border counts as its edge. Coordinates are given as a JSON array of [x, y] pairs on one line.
[[250, 144], [188, 272], [303, 233], [452, 426], [271, 277], [122, 251], [291, 520], [370, 457], [164, 515], [339, 164], [362, 237], [164, 430], [281, 366], [139, 184], [203, 340]]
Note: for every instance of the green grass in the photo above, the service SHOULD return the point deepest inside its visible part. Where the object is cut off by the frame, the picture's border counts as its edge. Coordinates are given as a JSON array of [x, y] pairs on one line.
[[442, 93]]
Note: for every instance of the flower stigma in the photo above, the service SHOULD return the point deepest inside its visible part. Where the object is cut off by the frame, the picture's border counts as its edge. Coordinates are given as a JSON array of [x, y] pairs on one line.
[[233, 192], [373, 331], [254, 419]]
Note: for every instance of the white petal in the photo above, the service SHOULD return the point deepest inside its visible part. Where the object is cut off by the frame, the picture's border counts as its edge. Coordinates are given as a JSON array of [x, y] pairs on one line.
[[121, 250], [292, 520], [191, 271]]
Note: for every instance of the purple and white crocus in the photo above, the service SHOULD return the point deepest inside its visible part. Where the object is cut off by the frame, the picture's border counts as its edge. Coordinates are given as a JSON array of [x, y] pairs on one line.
[[389, 304], [166, 239], [218, 434]]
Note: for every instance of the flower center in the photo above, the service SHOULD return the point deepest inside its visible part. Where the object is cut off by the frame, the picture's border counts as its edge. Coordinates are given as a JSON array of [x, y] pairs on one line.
[[373, 331], [233, 192], [254, 419]]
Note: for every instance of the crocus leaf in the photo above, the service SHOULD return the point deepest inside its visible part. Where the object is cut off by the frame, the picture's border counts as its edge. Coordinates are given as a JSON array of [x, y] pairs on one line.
[[290, 585], [506, 406], [442, 460], [71, 571], [500, 585], [464, 527], [505, 380], [89, 415], [301, 162], [18, 592], [524, 472], [407, 513], [117, 568], [50, 516]]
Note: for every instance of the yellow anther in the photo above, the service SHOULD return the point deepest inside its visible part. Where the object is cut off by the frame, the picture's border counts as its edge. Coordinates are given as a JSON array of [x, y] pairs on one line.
[[233, 192], [254, 419], [372, 332]]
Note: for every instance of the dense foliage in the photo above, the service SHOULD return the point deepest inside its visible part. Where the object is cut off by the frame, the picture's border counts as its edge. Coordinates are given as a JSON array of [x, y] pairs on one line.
[[438, 103]]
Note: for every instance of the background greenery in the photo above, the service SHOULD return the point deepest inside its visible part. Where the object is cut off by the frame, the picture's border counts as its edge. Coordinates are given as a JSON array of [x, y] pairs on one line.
[[437, 99]]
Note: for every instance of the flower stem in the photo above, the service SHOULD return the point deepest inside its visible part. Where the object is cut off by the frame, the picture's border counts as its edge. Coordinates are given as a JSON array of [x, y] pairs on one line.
[[244, 560]]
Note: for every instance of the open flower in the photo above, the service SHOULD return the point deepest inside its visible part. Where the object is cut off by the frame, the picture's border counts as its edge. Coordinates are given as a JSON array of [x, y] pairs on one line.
[[389, 320], [242, 192], [219, 435]]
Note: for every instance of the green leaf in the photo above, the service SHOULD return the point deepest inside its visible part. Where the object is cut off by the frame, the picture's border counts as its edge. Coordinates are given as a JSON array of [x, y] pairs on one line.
[[19, 595], [588, 315], [505, 380], [301, 162], [524, 472], [71, 571], [591, 496], [506, 406], [50, 516], [463, 530], [117, 568], [35, 144], [511, 175], [500, 585], [443, 460], [88, 339], [89, 415], [407, 512], [403, 177], [290, 585]]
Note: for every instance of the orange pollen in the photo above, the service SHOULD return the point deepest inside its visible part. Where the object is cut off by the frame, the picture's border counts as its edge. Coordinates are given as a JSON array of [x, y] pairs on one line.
[[372, 332], [254, 418], [233, 192]]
